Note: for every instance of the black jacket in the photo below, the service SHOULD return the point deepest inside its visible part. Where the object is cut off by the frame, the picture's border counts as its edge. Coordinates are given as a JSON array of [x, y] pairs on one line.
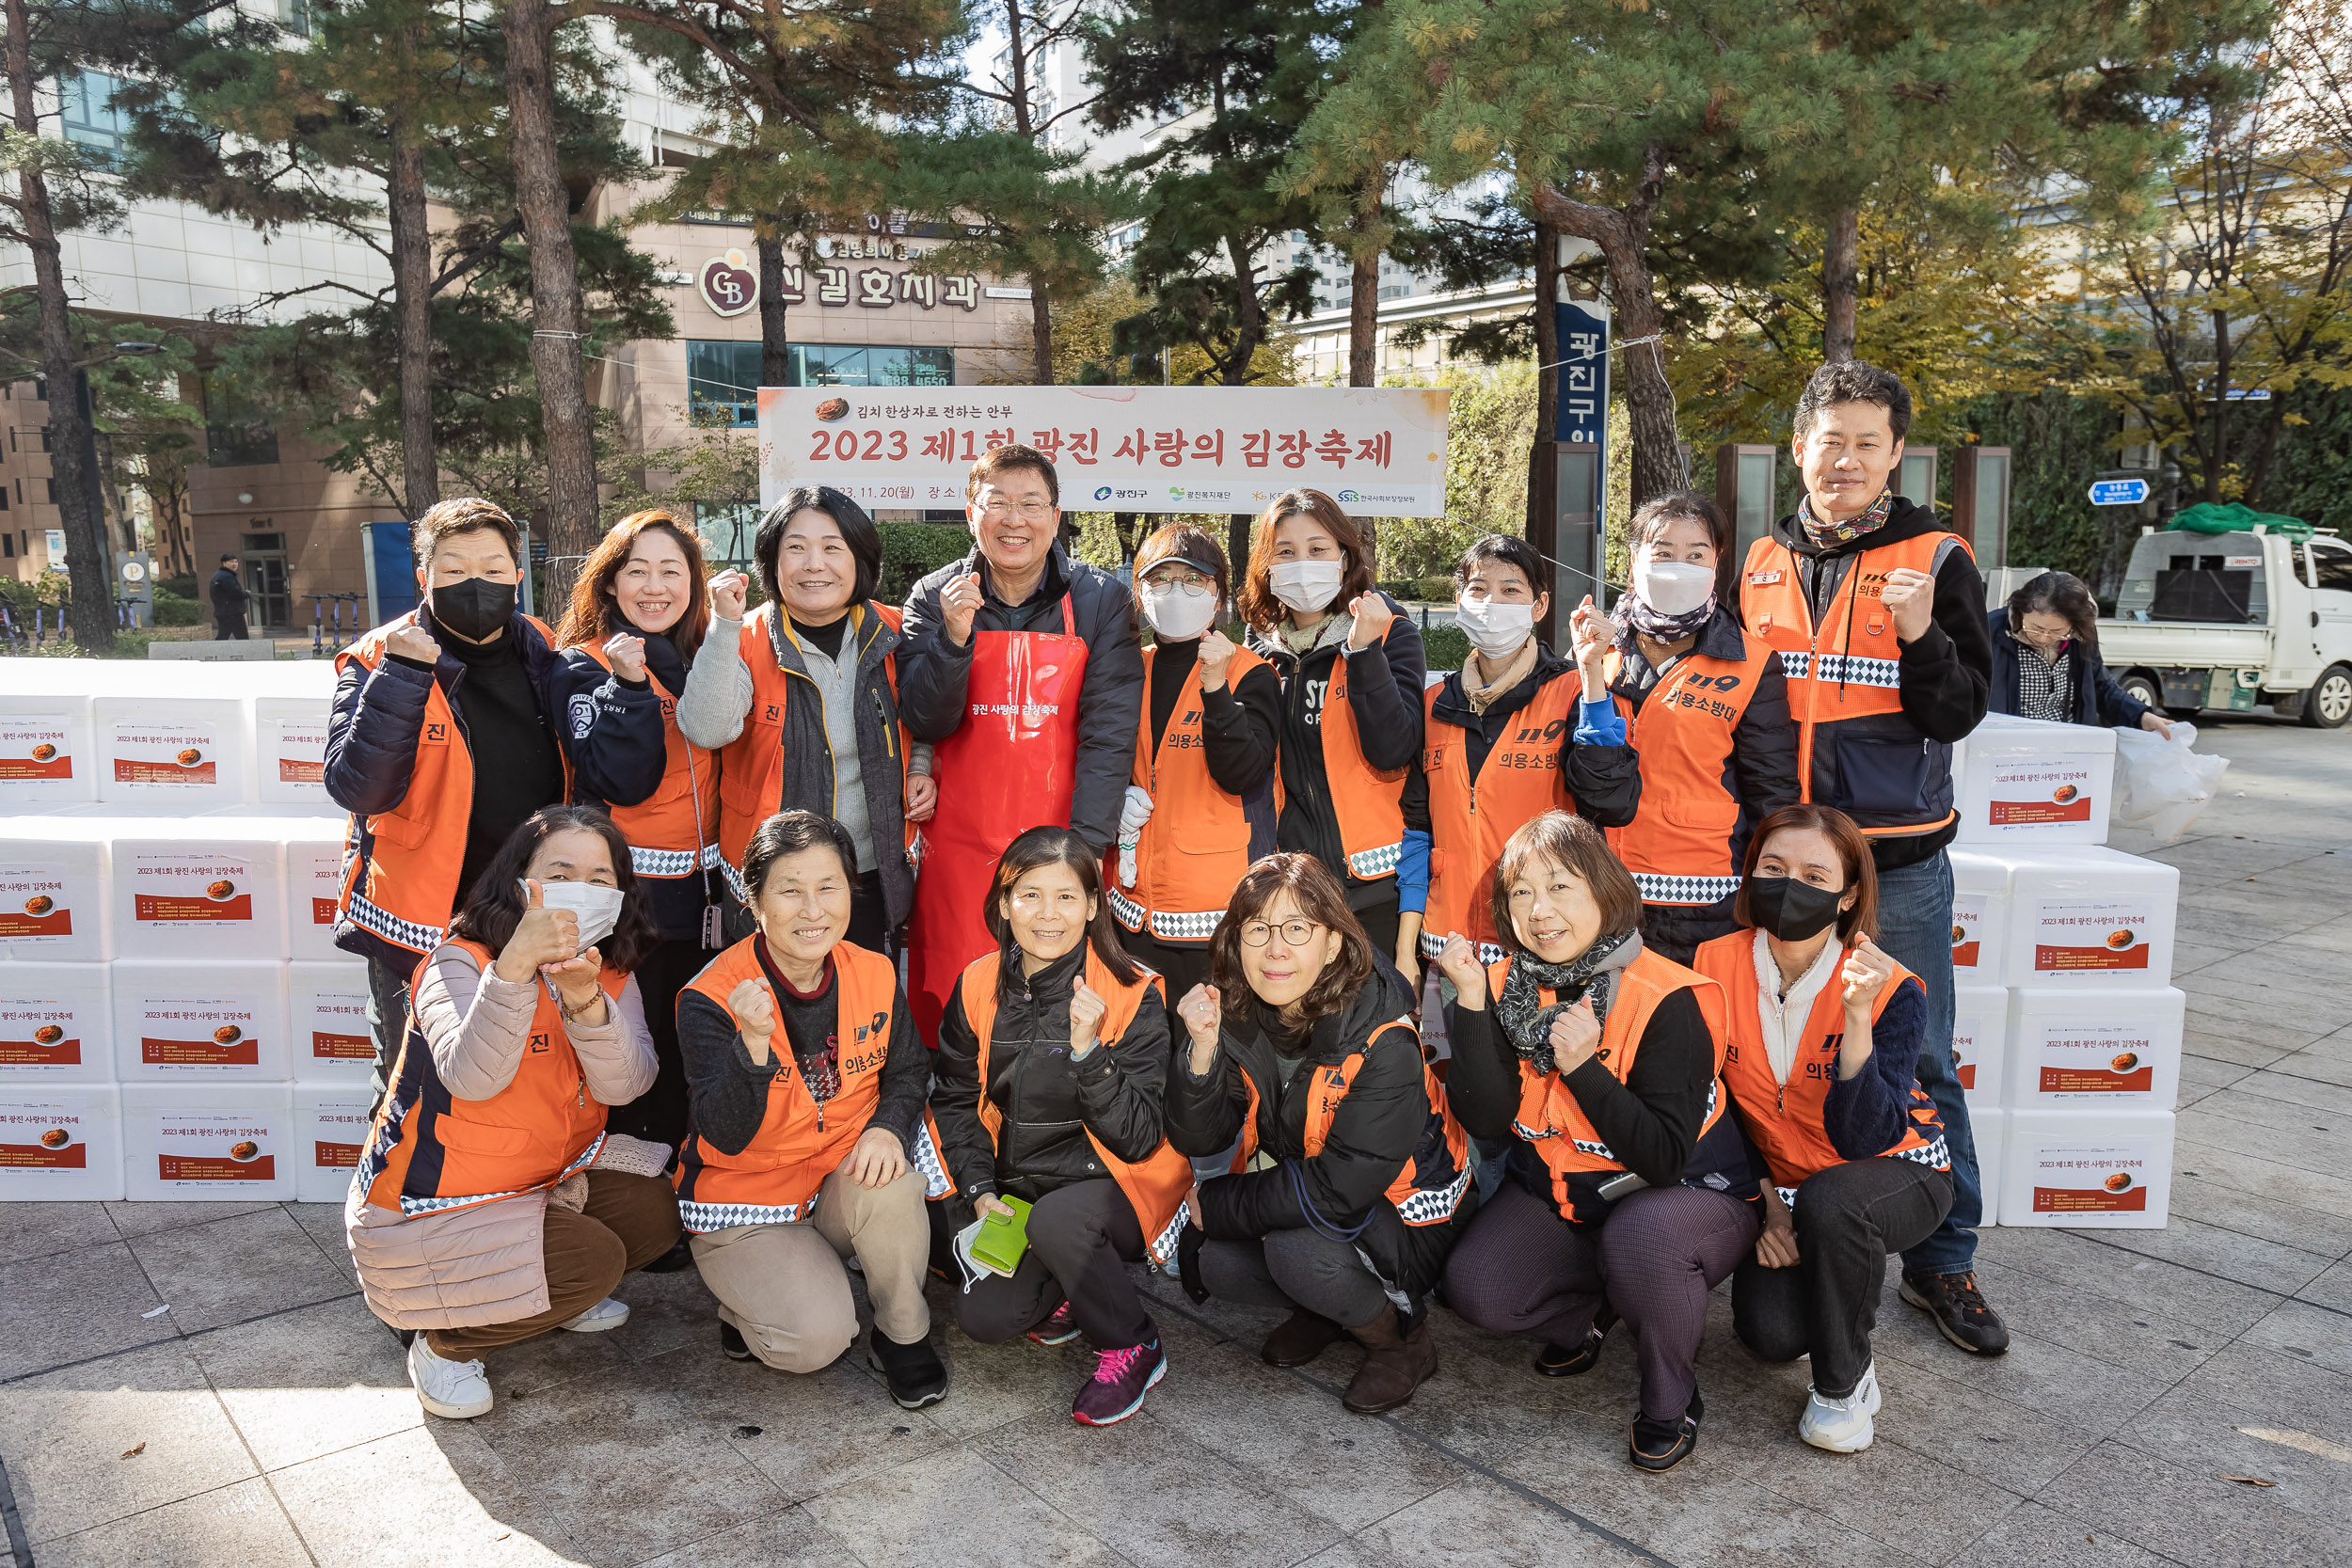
[[1945, 674], [728, 1092], [1049, 1102], [619, 755], [229, 595], [1604, 781], [2096, 698], [1382, 1128], [932, 673]]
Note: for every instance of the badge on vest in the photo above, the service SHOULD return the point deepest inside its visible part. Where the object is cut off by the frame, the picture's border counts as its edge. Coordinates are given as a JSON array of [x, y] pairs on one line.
[[538, 1043], [436, 734], [1765, 579]]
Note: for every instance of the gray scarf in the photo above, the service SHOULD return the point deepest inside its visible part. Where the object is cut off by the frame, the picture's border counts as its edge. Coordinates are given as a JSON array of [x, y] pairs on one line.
[[1526, 1021]]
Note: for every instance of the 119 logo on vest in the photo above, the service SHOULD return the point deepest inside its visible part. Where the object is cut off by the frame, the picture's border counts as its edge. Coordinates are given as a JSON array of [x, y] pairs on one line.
[[1552, 731], [1721, 682]]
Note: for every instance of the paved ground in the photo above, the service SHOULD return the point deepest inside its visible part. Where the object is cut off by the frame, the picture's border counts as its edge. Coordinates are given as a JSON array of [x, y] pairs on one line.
[[265, 1419]]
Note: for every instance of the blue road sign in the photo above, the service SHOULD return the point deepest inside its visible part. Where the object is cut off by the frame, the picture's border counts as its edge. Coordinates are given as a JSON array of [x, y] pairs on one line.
[[2118, 492]]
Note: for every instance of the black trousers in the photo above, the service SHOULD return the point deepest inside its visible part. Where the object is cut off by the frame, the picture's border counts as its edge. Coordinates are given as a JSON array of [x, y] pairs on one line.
[[1182, 968], [1849, 1218], [387, 1021], [659, 1115], [1082, 1237], [230, 628]]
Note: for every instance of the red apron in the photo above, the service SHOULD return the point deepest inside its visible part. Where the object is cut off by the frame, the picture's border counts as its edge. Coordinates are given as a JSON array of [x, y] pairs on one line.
[[1009, 766]]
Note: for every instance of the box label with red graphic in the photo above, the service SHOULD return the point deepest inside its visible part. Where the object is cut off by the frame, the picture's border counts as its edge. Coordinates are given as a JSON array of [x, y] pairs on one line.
[[216, 1146], [2087, 1179], [1970, 911], [44, 1134], [34, 749], [295, 751], [338, 1027], [39, 1031], [1966, 1056], [315, 873], [2079, 1057], [2028, 794], [198, 1033], [164, 757], [2078, 935], [338, 1133], [192, 889], [35, 906]]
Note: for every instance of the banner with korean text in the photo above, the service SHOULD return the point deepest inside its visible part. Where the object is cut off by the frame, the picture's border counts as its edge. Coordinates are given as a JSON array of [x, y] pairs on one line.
[[1378, 451]]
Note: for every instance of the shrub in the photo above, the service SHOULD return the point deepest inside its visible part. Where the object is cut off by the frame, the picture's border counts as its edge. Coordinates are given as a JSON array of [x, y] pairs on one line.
[[911, 550], [174, 609], [184, 585], [1446, 647]]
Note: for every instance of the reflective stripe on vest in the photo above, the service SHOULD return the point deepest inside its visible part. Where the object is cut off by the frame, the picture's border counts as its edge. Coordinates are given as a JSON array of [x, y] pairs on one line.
[[429, 1151], [774, 1179], [1196, 847], [1679, 843], [673, 862], [664, 830], [1784, 1120], [1430, 1185], [1469, 819], [1155, 1186]]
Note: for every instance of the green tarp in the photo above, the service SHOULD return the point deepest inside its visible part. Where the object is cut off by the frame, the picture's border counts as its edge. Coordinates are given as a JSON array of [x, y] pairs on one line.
[[2232, 517]]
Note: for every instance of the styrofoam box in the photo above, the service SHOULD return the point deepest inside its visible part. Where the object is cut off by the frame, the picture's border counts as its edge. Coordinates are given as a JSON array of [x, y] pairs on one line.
[[54, 898], [1979, 917], [2088, 916], [313, 841], [215, 1021], [47, 759], [2087, 1048], [60, 1143], [173, 754], [290, 737], [327, 1006], [2089, 1169], [1989, 1126], [209, 1141], [57, 1026], [1980, 1041], [2030, 779], [209, 889], [330, 1130]]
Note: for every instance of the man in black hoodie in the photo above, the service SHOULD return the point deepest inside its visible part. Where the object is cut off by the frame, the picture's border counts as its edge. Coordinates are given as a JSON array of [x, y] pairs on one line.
[[1878, 614], [229, 601]]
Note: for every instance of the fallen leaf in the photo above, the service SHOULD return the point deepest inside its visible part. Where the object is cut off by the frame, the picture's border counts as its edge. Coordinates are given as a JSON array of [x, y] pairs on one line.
[[135, 1452], [502, 1535], [2249, 1480]]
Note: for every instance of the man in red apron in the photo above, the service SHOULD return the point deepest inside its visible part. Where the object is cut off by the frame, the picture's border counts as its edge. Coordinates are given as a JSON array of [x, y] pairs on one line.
[[1021, 667]]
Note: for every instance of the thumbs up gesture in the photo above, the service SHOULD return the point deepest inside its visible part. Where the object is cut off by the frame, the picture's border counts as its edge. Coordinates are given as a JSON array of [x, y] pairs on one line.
[[543, 937], [958, 602]]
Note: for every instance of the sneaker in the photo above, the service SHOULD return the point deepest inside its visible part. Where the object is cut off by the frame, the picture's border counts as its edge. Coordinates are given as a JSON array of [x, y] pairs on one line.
[[1059, 1329], [1958, 1309], [1664, 1445], [680, 1257], [453, 1391], [732, 1344], [606, 1314], [1841, 1425], [1121, 1378], [914, 1374], [1560, 1361]]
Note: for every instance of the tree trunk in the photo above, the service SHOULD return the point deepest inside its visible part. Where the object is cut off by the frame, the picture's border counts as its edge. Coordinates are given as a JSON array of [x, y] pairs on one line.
[[2219, 460], [1123, 524], [86, 555], [1249, 315], [1840, 285], [412, 302], [1237, 545], [555, 305], [1040, 331], [775, 337]]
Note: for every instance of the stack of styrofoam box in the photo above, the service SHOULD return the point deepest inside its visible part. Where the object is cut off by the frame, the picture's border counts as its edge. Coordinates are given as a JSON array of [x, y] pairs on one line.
[[2066, 1025], [174, 1022]]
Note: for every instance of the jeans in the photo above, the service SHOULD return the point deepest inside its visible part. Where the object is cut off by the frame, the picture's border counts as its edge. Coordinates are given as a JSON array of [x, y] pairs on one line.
[[1915, 931], [387, 1021]]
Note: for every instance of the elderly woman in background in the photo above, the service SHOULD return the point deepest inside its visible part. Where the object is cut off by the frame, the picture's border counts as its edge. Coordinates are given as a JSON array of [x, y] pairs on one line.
[[2046, 663]]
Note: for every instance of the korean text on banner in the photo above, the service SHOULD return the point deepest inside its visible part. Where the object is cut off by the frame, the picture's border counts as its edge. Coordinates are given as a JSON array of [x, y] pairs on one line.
[[1378, 451]]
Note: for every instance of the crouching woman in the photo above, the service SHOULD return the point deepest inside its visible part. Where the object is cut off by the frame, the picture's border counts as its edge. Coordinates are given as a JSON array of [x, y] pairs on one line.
[[489, 1206]]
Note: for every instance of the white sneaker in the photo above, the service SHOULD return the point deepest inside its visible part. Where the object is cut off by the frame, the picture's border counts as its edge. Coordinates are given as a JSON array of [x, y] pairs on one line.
[[453, 1391], [1841, 1426], [606, 1313]]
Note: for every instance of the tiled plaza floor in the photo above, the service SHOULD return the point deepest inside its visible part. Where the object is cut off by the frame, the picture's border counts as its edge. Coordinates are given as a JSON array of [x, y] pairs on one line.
[[265, 1419]]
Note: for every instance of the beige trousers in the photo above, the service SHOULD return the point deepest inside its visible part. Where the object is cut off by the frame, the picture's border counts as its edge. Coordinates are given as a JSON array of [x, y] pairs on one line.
[[783, 1288]]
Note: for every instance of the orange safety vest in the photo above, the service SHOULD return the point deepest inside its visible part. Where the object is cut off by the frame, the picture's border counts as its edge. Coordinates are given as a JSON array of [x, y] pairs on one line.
[[1854, 749], [1156, 1185], [1367, 802], [1197, 845], [1549, 1118], [430, 1151], [750, 771], [403, 883], [673, 831], [1469, 819], [1430, 1185], [1784, 1120], [774, 1180], [1679, 843]]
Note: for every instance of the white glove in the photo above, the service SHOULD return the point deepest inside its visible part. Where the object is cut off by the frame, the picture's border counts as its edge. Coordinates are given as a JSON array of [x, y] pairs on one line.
[[1132, 817]]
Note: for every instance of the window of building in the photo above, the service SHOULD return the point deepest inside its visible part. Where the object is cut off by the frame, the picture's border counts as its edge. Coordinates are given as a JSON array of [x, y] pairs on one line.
[[89, 117], [7, 546], [293, 16], [237, 433], [4, 501], [722, 377]]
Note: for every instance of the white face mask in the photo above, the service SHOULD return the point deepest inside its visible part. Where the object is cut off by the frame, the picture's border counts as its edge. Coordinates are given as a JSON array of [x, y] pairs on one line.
[[1495, 628], [599, 907], [1673, 587], [1306, 586], [1178, 614]]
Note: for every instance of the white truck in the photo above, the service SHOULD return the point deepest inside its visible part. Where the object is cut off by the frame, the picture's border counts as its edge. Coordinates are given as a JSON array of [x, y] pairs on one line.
[[2230, 620]]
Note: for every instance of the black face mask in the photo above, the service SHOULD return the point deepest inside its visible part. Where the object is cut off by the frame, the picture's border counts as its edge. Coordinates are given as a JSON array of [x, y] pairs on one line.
[[1790, 909], [475, 608]]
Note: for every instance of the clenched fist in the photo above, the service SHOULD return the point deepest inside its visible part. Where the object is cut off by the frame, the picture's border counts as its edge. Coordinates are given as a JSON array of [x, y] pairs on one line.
[[958, 602], [1217, 652], [728, 592], [413, 641], [1086, 1018], [1863, 976], [755, 1009], [1908, 597], [1459, 963], [1372, 615], [628, 655], [1574, 1034], [1203, 1011]]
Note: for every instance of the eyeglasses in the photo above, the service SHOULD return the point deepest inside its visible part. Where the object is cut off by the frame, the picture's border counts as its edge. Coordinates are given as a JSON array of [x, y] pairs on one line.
[[1029, 512], [1183, 579], [1295, 933]]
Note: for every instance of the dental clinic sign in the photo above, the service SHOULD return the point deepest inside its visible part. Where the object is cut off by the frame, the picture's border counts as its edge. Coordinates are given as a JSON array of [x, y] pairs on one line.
[[1379, 451]]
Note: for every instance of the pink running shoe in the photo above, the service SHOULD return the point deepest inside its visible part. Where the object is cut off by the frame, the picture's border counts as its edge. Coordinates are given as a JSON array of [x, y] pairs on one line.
[[1121, 1378], [1059, 1329]]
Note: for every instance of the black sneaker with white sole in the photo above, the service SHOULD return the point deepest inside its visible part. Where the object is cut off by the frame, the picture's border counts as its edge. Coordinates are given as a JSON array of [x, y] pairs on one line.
[[1959, 1311], [731, 1344], [914, 1374]]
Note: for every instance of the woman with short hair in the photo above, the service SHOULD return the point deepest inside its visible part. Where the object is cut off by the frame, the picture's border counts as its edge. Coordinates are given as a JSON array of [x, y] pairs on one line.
[[2046, 663]]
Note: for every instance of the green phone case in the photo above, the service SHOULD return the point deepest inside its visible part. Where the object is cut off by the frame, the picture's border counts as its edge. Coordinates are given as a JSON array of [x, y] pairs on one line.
[[1002, 1240]]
